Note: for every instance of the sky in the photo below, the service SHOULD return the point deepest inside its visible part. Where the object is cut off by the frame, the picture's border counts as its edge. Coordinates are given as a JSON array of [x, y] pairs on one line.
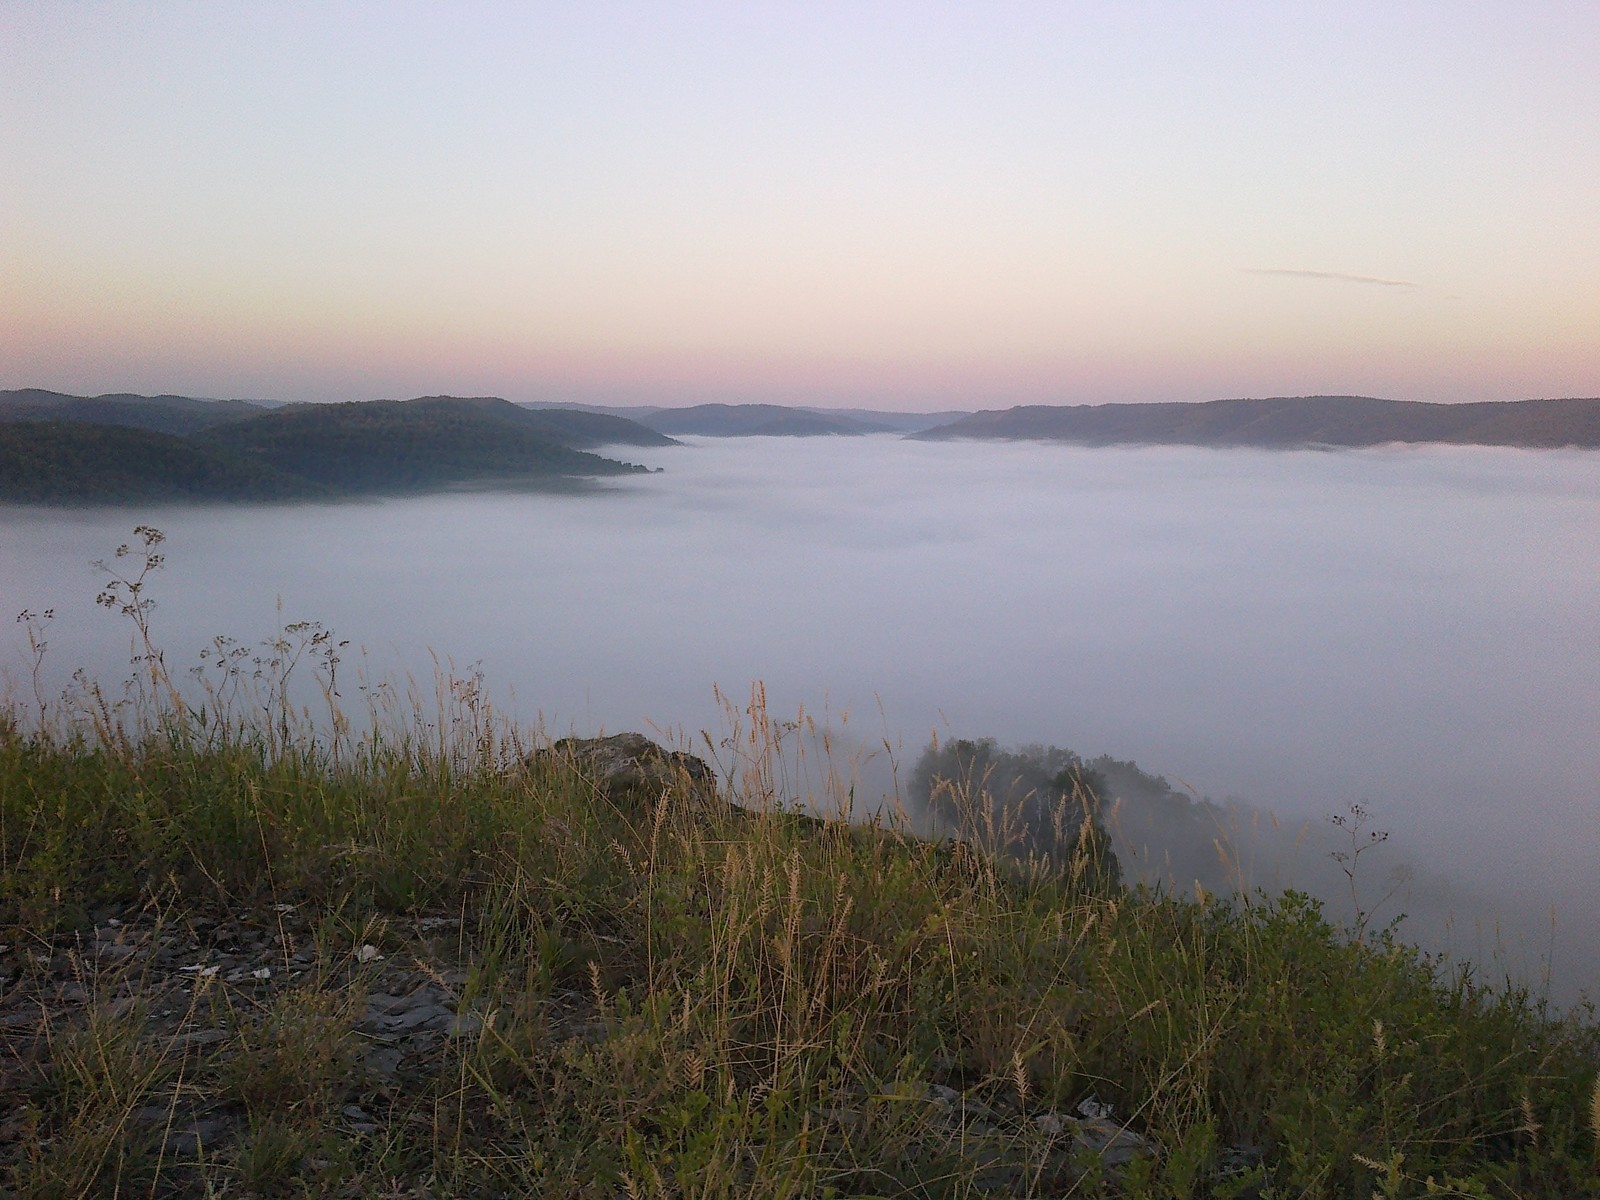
[[892, 205]]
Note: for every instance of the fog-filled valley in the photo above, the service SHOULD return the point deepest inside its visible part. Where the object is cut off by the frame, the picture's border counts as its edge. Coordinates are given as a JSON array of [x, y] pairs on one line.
[[1414, 630]]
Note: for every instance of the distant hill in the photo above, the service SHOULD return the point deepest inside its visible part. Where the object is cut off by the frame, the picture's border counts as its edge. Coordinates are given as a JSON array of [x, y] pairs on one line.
[[297, 451], [164, 414], [898, 422], [569, 427], [755, 420], [1287, 422], [580, 429], [185, 415], [843, 420], [406, 445]]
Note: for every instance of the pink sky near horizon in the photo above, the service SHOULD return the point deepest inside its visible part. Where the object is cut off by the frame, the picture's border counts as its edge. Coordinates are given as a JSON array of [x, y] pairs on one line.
[[889, 205]]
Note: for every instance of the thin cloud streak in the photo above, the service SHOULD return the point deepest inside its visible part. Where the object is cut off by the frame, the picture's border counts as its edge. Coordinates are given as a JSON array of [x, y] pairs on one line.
[[1339, 275]]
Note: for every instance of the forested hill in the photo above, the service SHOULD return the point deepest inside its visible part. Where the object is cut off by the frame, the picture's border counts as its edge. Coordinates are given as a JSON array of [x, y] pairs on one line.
[[60, 462], [756, 420], [1288, 422], [186, 415], [376, 445], [164, 414], [294, 452]]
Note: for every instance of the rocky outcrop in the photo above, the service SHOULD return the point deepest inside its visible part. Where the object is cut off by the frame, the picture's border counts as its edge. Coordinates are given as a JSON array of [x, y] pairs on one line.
[[630, 770]]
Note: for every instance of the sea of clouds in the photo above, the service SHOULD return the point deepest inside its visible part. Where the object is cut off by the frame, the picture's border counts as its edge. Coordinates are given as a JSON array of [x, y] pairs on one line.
[[1413, 629]]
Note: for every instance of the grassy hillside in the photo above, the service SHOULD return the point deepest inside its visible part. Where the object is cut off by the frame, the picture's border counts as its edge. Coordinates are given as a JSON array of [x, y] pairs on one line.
[[256, 948]]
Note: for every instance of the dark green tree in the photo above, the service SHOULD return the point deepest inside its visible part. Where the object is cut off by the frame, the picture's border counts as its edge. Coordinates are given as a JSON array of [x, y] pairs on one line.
[[1035, 801]]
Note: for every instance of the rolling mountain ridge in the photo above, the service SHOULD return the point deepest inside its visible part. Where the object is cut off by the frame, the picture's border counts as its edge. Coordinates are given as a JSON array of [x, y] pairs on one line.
[[54, 449], [1290, 422]]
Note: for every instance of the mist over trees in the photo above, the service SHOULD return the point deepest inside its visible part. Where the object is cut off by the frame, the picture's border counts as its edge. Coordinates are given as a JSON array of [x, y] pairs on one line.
[[1127, 826], [1037, 801]]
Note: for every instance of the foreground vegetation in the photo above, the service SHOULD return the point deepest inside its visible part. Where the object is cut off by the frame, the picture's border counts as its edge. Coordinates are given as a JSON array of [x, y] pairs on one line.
[[217, 916]]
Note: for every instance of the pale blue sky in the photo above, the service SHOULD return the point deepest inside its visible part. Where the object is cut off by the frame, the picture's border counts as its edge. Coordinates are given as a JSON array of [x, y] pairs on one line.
[[904, 205]]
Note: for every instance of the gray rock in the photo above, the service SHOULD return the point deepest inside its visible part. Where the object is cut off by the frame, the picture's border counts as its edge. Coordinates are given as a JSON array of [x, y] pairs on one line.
[[424, 1016], [182, 1136], [204, 1133], [386, 1005], [358, 1120], [630, 769], [1110, 1142], [385, 1061]]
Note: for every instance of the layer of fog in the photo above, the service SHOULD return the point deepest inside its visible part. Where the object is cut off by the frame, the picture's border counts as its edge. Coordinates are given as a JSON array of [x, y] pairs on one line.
[[1413, 629]]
